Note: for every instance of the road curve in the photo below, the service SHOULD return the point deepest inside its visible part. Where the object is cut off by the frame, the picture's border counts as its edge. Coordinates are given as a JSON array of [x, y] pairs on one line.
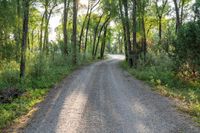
[[102, 98]]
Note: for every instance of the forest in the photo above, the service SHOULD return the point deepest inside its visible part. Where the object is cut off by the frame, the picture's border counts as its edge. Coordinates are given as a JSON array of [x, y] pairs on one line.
[[159, 38]]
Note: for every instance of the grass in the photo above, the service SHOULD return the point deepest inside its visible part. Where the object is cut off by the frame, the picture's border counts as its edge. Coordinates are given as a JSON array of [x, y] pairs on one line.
[[20, 106], [166, 83], [36, 92], [33, 89]]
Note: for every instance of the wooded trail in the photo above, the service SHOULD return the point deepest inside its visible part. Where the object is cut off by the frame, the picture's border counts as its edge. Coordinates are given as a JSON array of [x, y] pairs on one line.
[[103, 98]]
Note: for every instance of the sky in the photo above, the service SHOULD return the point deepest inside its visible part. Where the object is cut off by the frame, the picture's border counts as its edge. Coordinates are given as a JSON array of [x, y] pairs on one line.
[[56, 20]]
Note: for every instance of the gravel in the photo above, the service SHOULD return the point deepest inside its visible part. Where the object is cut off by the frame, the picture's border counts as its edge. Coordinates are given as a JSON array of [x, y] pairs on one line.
[[103, 98]]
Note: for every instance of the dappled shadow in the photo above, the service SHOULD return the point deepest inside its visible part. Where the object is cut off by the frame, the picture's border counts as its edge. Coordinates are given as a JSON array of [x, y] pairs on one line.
[[48, 116], [101, 99]]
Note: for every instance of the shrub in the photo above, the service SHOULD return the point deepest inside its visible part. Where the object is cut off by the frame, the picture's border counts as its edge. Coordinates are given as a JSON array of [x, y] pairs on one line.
[[10, 74], [187, 47], [38, 66]]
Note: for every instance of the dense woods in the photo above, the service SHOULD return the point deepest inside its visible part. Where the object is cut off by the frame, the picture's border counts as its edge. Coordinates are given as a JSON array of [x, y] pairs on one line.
[[160, 40]]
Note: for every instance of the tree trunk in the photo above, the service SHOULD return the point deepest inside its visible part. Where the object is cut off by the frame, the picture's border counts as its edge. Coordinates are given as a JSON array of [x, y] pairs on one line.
[[46, 32], [134, 26], [177, 15], [160, 29], [32, 39], [124, 30], [82, 29], [65, 19], [125, 3], [95, 34], [88, 24], [104, 42], [45, 22], [41, 32], [87, 28], [160, 12], [28, 43], [182, 6], [74, 30], [144, 40], [18, 36], [24, 38], [99, 35]]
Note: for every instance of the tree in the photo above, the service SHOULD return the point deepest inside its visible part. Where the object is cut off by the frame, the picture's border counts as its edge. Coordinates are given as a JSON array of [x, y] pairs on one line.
[[134, 25], [83, 26], [49, 7], [95, 36], [142, 14], [179, 10], [65, 20], [104, 41], [18, 27], [99, 35], [160, 6], [124, 29], [125, 4], [178, 23], [88, 23], [74, 32], [24, 38]]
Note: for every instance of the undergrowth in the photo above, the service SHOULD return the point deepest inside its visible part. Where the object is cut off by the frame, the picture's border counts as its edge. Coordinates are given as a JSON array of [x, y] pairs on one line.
[[42, 75], [158, 72]]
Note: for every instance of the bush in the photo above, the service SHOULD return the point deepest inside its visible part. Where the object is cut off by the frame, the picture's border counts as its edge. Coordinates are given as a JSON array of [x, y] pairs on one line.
[[187, 47], [10, 74], [38, 66]]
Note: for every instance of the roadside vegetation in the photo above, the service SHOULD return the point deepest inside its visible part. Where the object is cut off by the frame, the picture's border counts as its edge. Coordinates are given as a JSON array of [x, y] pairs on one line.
[[172, 63], [18, 96], [163, 79]]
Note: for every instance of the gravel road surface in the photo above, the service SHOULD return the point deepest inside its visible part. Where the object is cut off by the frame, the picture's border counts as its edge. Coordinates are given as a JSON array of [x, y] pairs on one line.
[[103, 98]]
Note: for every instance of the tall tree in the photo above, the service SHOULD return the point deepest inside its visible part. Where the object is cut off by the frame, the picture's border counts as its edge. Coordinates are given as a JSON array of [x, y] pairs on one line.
[[18, 27], [24, 38], [65, 20], [179, 10], [95, 36], [142, 14], [88, 24], [83, 26], [103, 44], [134, 24], [74, 32], [177, 15], [50, 5], [125, 4], [99, 35], [41, 30], [160, 6], [124, 29]]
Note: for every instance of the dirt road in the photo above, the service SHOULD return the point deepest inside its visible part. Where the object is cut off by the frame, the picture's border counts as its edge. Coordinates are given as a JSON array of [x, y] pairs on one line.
[[102, 98]]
